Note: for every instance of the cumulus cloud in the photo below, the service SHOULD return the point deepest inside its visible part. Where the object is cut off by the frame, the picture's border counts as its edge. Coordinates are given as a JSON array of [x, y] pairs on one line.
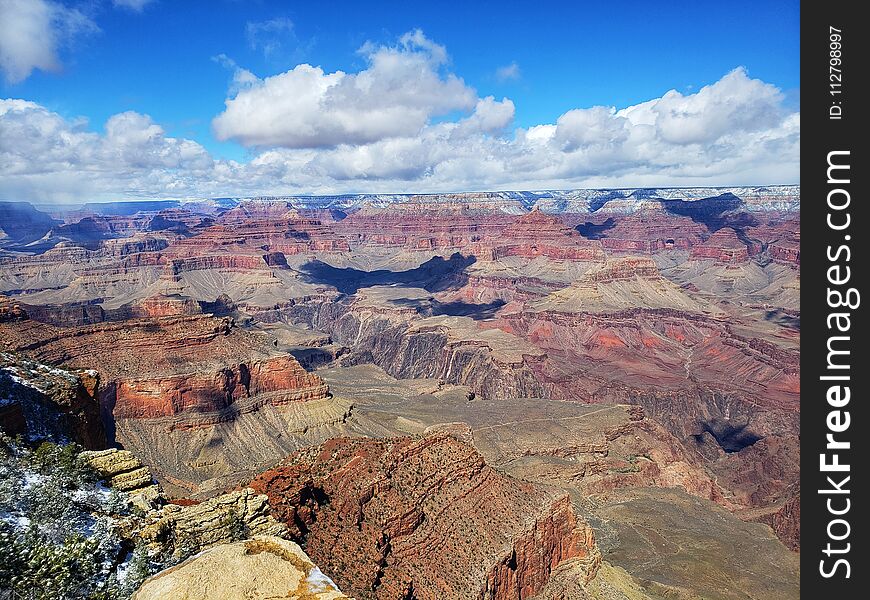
[[48, 157], [734, 103], [377, 131], [32, 32], [509, 72], [396, 95], [489, 116]]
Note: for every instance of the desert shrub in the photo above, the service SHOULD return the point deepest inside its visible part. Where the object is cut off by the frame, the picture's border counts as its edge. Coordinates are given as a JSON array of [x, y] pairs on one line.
[[57, 539], [63, 462], [235, 526], [36, 568]]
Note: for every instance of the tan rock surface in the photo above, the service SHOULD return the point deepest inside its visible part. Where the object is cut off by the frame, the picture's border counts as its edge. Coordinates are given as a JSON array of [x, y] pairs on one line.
[[259, 568]]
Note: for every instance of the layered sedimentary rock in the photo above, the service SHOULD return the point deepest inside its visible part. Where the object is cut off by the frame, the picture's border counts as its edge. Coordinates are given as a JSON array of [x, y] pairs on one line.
[[11, 310], [682, 302], [539, 234], [723, 246], [620, 284], [121, 469], [421, 225], [410, 503], [293, 235], [648, 230], [492, 362], [174, 384], [659, 350], [278, 380], [784, 519]]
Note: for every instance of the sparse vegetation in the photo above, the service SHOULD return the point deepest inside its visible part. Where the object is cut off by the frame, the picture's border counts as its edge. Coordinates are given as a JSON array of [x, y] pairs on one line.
[[235, 526], [57, 528]]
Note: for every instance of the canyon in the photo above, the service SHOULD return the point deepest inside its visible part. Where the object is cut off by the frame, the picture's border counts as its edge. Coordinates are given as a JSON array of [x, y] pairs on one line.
[[577, 394]]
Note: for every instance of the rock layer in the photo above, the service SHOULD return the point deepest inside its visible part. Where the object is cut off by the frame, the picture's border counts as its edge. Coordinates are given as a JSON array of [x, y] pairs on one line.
[[411, 502]]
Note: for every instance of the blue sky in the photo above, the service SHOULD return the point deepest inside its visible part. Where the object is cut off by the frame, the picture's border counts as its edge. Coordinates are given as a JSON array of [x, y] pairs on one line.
[[547, 58]]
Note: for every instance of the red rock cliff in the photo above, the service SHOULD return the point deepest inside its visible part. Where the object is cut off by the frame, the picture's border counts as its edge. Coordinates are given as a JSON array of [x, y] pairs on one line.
[[425, 518]]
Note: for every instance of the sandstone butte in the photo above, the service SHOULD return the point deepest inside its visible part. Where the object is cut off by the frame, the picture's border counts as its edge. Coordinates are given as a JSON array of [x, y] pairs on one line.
[[723, 246], [382, 515]]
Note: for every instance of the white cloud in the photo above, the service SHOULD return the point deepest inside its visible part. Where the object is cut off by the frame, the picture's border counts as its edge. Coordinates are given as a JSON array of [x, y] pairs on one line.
[[47, 157], [598, 126], [401, 89], [734, 103], [135, 5], [489, 116], [509, 72], [32, 32], [242, 78], [378, 130]]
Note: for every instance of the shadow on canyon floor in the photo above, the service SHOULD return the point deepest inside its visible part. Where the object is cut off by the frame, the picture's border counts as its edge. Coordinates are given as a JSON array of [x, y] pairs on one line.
[[715, 213], [783, 319], [433, 308], [434, 275], [594, 231]]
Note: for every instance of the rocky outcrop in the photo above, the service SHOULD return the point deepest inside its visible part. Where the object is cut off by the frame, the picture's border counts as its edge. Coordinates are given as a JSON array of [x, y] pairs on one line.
[[241, 238], [172, 385], [219, 520], [538, 234], [393, 342], [723, 246], [121, 469], [785, 521], [178, 528], [379, 516], [276, 381], [260, 568], [658, 351], [11, 310], [552, 540], [648, 230], [787, 251], [46, 403]]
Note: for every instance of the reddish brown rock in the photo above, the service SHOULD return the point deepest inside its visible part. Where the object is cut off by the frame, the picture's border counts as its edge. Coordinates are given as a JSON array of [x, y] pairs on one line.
[[723, 246], [380, 516], [279, 380], [254, 237], [648, 230], [786, 522], [421, 226], [153, 368], [539, 234], [11, 310]]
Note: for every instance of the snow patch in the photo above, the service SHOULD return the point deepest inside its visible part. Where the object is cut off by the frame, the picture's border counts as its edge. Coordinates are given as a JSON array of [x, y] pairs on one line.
[[318, 582]]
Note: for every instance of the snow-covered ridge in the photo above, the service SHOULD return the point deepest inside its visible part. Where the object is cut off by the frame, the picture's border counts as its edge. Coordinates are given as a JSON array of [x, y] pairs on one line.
[[785, 198]]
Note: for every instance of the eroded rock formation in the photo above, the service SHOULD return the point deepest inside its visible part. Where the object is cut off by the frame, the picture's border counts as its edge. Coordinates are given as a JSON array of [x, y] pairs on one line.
[[411, 502], [44, 402]]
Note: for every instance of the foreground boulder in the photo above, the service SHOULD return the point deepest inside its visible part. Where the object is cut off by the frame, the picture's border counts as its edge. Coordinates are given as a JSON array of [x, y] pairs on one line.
[[259, 568]]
